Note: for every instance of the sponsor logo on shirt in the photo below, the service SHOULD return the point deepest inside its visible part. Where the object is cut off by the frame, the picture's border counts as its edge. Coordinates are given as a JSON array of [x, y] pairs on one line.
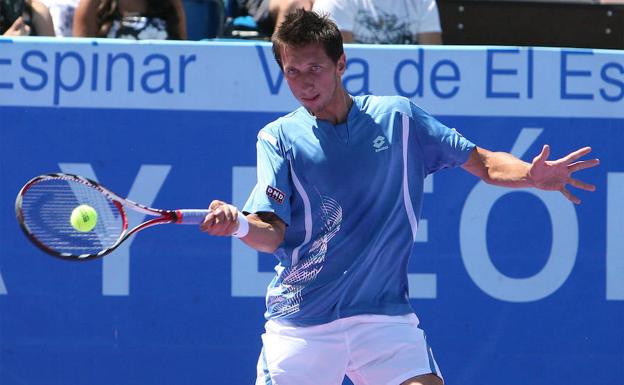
[[379, 144], [275, 194]]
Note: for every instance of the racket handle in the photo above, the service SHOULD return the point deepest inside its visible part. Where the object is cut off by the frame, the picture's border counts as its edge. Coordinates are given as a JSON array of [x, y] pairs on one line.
[[191, 217]]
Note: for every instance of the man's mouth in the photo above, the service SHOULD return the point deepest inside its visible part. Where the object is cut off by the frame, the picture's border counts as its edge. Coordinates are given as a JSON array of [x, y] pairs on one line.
[[309, 99]]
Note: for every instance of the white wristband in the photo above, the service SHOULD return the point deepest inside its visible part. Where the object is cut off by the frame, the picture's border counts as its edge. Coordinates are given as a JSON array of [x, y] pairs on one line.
[[243, 226]]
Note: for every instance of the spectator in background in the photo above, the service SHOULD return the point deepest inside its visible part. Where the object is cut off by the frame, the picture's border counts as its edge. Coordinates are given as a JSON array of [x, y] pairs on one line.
[[270, 13], [131, 19], [384, 21], [34, 20], [62, 12]]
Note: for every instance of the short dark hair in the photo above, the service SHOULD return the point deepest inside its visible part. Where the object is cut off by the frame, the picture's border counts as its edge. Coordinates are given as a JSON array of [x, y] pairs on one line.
[[301, 28]]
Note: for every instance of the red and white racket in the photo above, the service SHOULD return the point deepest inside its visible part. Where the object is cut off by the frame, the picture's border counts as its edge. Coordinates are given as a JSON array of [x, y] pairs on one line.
[[44, 208]]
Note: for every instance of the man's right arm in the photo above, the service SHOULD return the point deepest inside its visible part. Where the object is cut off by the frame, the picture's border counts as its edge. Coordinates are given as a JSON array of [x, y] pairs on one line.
[[266, 230]]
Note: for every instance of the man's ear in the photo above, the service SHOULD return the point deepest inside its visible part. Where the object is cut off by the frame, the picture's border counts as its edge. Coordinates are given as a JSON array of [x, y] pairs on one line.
[[342, 64]]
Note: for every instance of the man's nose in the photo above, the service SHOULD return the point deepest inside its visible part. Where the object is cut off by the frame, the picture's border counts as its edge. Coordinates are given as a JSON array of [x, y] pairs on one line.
[[307, 81]]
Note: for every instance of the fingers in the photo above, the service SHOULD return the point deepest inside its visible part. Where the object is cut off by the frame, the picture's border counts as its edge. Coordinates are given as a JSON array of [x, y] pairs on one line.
[[543, 156], [569, 196], [582, 165], [222, 220], [18, 28], [582, 185], [571, 157], [18, 24], [25, 30], [558, 168], [216, 204]]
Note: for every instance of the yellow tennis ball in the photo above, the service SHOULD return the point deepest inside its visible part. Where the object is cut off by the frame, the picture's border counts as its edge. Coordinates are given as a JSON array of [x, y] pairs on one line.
[[83, 218]]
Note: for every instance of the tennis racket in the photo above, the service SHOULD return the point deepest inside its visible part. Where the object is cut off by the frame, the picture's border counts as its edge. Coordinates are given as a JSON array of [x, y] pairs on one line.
[[45, 204]]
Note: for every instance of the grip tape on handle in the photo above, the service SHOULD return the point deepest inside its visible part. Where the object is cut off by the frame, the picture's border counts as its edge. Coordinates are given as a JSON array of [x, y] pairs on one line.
[[191, 216]]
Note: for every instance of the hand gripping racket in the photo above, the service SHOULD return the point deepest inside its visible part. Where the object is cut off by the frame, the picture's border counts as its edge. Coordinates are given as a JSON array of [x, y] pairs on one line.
[[45, 204]]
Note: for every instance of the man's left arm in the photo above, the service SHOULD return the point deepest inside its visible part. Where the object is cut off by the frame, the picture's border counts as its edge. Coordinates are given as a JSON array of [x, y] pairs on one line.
[[504, 169]]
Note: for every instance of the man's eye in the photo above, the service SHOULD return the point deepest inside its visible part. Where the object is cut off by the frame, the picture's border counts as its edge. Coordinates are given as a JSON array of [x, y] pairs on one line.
[[292, 72], [316, 68]]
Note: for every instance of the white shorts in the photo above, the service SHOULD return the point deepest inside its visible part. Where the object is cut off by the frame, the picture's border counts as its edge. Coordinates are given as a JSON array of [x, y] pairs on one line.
[[369, 349]]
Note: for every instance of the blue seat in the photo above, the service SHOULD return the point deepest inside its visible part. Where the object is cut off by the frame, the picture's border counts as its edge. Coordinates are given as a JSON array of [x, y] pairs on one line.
[[204, 18]]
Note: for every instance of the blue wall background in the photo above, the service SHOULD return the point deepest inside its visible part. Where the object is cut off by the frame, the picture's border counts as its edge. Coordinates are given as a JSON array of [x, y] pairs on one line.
[[175, 307]]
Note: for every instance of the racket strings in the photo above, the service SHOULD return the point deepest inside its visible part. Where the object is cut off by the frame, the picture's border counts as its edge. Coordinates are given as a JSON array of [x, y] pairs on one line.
[[47, 207]]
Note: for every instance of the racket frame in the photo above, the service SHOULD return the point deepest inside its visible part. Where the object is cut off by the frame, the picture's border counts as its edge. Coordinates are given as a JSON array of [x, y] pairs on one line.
[[162, 216]]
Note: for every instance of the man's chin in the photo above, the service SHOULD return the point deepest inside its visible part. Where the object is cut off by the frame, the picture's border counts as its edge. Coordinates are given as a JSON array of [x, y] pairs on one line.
[[310, 106]]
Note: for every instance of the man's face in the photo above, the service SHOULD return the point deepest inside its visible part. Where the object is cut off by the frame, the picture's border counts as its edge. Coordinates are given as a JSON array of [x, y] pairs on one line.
[[314, 78]]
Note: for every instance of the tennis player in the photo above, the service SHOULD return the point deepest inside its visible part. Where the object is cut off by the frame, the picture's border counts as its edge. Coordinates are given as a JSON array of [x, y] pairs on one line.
[[338, 198]]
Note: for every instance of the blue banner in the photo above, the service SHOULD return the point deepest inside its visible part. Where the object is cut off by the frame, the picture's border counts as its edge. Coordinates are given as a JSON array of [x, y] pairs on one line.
[[511, 286]]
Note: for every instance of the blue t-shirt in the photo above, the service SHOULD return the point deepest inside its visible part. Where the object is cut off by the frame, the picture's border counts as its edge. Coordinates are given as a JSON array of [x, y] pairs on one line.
[[351, 196]]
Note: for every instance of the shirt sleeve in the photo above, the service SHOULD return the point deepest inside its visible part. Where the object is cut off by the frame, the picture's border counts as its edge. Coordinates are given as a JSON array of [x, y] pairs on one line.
[[429, 17], [273, 187], [441, 146], [340, 11]]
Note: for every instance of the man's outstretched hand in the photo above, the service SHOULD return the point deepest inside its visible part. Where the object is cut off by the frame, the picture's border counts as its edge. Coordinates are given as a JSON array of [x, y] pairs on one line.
[[554, 175]]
